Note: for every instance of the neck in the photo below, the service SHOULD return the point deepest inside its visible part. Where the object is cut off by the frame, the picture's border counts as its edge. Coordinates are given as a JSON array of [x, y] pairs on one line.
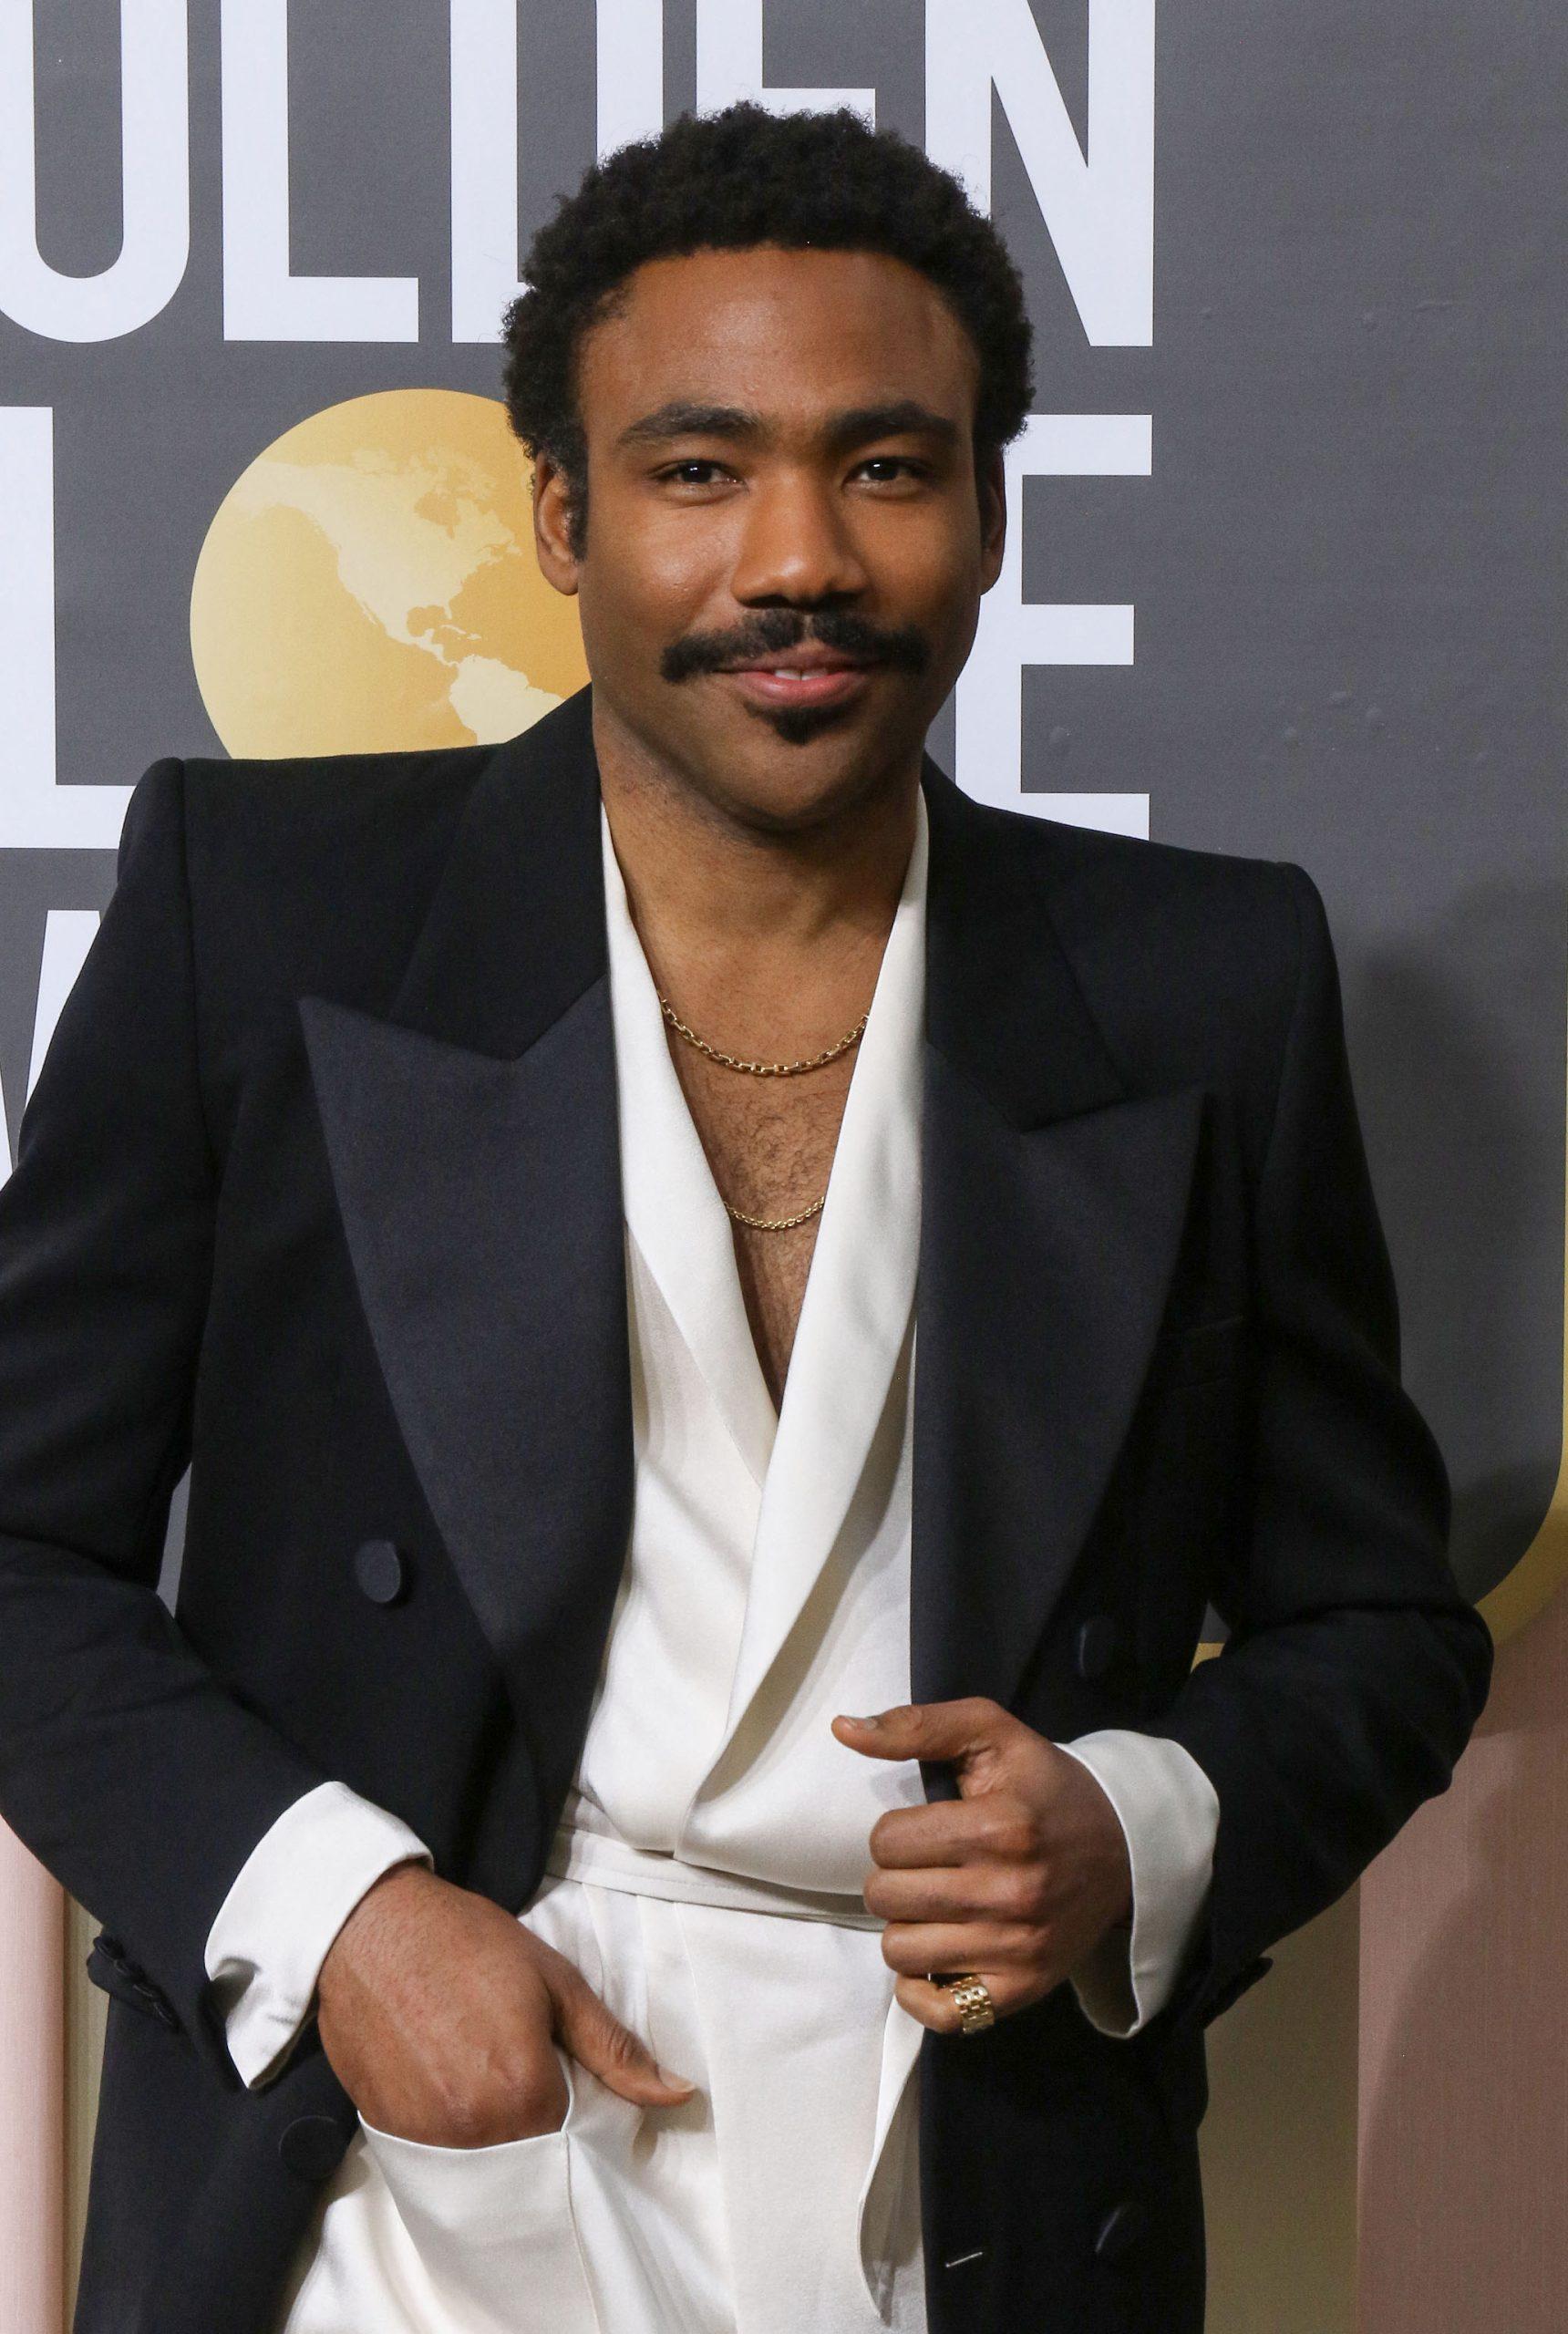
[[766, 934]]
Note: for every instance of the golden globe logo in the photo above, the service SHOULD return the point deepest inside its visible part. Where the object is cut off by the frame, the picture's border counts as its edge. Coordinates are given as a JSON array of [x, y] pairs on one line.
[[368, 583]]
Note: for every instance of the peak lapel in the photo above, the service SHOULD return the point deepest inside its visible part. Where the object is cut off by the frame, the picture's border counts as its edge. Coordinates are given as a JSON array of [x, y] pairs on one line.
[[1054, 1201], [471, 1136]]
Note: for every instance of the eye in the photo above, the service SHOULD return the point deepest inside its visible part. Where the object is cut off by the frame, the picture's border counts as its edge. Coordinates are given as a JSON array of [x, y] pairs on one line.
[[680, 473], [894, 463]]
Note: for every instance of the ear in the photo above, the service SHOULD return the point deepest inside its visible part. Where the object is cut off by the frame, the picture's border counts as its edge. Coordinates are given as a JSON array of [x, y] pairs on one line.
[[992, 483], [558, 562]]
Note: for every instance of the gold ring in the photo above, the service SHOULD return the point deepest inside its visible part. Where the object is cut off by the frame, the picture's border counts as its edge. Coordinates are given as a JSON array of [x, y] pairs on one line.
[[971, 1995]]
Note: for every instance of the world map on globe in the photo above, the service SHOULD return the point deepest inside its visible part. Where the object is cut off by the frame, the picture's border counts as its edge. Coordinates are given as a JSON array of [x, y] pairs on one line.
[[369, 584]]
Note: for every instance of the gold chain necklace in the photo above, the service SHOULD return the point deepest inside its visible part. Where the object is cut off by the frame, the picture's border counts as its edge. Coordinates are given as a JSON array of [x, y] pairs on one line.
[[766, 1069], [776, 1222], [763, 1068]]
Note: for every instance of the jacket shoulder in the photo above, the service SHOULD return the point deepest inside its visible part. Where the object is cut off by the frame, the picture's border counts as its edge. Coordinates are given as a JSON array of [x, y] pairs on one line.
[[1189, 959], [1129, 891], [315, 870], [256, 816]]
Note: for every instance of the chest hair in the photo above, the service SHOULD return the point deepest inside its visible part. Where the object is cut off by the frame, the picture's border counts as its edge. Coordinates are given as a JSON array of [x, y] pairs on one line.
[[769, 1142]]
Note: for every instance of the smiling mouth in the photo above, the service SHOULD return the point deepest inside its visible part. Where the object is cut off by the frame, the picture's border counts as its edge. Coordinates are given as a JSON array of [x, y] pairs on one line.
[[798, 684]]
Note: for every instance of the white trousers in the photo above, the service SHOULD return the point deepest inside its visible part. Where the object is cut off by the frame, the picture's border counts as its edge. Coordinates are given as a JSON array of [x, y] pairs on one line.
[[783, 2194]]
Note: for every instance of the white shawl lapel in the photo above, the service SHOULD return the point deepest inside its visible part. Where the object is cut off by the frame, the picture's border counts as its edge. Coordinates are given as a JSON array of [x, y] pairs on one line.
[[674, 1212], [857, 1304], [810, 1456]]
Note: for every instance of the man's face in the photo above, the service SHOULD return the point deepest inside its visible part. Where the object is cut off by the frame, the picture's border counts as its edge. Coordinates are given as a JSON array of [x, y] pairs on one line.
[[786, 547]]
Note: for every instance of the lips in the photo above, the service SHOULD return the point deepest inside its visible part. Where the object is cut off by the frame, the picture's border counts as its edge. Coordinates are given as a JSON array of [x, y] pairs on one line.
[[800, 677]]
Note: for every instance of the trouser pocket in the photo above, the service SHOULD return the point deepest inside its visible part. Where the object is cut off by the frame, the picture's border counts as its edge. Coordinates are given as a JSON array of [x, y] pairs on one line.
[[494, 2228]]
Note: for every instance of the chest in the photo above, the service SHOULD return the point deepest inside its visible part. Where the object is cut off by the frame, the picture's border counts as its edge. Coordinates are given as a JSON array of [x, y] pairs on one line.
[[769, 1142]]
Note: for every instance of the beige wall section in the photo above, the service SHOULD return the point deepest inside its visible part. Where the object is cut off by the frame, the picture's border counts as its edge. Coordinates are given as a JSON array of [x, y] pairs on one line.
[[1464, 1997], [1279, 2140], [86, 2010], [1464, 2038], [32, 2093]]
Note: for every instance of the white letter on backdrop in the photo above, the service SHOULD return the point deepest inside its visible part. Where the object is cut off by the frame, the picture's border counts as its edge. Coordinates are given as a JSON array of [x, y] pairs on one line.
[[630, 102], [68, 934], [1098, 208], [35, 813], [484, 166], [630, 97], [730, 65], [155, 241], [263, 300], [1015, 632]]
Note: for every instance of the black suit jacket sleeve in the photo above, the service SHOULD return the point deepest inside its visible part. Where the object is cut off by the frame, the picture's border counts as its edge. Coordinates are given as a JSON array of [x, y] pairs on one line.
[[1354, 1668], [125, 1765]]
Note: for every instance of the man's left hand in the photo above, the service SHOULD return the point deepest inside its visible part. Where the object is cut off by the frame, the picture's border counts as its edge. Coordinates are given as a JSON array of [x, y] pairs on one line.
[[1016, 1881]]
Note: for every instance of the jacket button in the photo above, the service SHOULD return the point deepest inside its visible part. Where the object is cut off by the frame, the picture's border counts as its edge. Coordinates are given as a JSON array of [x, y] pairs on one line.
[[1099, 1646], [159, 2003], [312, 2146], [1125, 2225], [380, 1571]]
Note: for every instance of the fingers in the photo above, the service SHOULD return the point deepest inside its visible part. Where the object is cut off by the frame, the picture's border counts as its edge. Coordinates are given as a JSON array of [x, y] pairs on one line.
[[967, 1730], [926, 1948], [967, 1891], [597, 2040], [996, 1826], [934, 2006]]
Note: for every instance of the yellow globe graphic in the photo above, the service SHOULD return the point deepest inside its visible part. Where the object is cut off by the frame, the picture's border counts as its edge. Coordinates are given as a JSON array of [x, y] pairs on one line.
[[369, 584]]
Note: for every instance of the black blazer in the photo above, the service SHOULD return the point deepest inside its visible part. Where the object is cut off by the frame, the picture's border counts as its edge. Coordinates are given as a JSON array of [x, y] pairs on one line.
[[318, 1191]]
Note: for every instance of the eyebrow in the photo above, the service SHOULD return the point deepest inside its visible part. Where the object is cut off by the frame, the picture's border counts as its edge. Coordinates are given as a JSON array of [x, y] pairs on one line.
[[854, 426]]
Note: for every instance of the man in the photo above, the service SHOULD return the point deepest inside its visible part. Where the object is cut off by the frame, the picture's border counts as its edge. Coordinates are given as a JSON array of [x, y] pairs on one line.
[[730, 1311]]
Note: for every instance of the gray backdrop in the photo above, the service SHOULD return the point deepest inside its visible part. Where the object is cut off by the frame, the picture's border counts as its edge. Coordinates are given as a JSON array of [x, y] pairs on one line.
[[1343, 564]]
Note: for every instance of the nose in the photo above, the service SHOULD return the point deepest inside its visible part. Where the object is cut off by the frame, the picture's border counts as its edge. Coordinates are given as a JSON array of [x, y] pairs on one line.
[[795, 545]]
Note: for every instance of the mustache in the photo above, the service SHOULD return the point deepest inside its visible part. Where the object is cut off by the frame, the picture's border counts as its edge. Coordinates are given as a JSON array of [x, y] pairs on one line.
[[903, 646]]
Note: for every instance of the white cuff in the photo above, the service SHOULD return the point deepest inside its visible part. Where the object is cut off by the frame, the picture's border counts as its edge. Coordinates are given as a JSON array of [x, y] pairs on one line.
[[1169, 1814], [277, 1923]]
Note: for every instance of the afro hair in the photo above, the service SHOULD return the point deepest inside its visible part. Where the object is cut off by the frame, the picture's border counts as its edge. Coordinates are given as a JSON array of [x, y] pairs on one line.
[[730, 181]]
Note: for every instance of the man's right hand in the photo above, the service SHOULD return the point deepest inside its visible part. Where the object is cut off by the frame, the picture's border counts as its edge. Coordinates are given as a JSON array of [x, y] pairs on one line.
[[438, 2014]]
